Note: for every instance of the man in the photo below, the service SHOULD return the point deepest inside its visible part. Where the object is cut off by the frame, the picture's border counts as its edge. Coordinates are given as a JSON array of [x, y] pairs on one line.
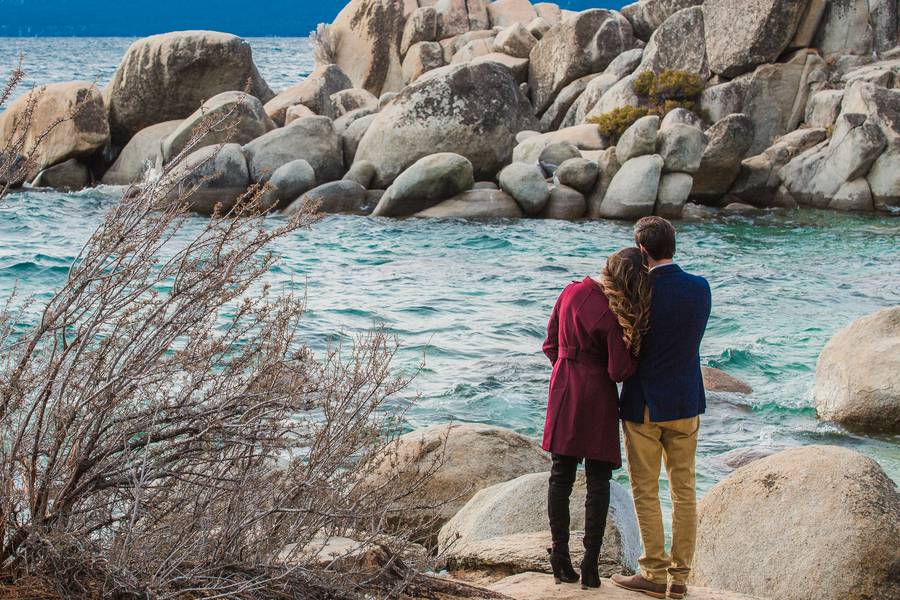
[[660, 412]]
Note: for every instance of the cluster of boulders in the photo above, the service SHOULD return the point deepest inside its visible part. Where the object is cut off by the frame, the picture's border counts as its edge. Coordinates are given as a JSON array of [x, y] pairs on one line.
[[477, 109], [816, 509]]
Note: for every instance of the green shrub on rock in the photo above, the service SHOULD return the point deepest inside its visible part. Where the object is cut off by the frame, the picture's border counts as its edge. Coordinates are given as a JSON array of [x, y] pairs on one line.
[[660, 93]]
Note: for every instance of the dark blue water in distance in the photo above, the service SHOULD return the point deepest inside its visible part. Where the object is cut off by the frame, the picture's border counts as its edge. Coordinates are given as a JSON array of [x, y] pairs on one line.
[[471, 300]]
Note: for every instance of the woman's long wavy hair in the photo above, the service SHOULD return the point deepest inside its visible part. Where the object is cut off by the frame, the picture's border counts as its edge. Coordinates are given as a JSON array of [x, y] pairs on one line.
[[626, 283]]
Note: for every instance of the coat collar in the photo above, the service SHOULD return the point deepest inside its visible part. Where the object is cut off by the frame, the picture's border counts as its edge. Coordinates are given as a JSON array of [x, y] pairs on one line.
[[665, 270]]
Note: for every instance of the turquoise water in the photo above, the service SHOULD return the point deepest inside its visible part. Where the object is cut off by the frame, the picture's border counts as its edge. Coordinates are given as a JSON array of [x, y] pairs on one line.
[[472, 299]]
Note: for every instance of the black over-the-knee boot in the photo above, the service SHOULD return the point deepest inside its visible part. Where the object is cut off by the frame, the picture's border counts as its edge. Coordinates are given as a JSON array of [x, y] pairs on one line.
[[562, 478], [596, 509]]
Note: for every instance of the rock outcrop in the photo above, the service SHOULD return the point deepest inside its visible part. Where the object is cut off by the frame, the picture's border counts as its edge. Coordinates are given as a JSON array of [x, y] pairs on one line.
[[166, 77], [504, 528], [83, 132], [820, 509], [472, 110], [465, 472], [858, 374]]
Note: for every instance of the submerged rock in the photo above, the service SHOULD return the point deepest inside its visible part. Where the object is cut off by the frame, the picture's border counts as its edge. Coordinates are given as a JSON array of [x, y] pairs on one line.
[[504, 528], [716, 380], [166, 77], [479, 203], [858, 374], [473, 110], [820, 509], [70, 175]]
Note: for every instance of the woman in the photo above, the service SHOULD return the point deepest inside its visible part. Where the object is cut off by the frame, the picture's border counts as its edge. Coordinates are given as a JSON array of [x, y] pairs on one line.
[[593, 340]]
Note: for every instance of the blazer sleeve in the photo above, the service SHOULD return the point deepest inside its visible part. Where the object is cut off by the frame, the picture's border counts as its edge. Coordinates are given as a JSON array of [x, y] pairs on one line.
[[621, 363], [551, 344]]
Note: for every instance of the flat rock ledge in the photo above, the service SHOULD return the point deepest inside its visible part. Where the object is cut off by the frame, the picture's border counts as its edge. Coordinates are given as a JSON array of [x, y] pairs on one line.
[[537, 586]]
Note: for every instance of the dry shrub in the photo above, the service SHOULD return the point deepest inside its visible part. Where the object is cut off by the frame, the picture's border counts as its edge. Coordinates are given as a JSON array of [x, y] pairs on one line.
[[164, 432]]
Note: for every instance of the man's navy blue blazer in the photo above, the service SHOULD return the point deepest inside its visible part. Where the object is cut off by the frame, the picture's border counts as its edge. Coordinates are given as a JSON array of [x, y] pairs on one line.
[[668, 379]]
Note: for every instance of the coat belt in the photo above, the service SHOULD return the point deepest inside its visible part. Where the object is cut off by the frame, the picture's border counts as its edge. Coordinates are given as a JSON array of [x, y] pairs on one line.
[[576, 354]]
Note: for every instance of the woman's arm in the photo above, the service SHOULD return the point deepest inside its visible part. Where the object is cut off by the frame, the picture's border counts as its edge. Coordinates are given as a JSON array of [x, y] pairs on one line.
[[621, 363], [551, 344]]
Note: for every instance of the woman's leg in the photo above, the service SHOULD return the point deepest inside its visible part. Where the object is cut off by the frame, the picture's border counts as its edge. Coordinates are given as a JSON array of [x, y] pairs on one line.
[[562, 478], [596, 508]]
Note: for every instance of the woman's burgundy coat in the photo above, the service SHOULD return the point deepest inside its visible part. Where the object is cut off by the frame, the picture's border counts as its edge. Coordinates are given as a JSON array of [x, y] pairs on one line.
[[584, 344]]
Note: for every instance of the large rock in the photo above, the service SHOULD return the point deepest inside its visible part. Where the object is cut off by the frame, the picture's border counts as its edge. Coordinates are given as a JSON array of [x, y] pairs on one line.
[[503, 13], [517, 67], [313, 139], [472, 110], [287, 183], [525, 182], [504, 528], [583, 137], [609, 166], [167, 76], [739, 39], [578, 173], [239, 118], [463, 471], [881, 105], [682, 147], [314, 92], [460, 16], [427, 182], [622, 65], [774, 97], [421, 26], [336, 197], [348, 101], [564, 204], [820, 509], [674, 190], [647, 16], [553, 117], [540, 586], [858, 27], [476, 204], [67, 176], [472, 50], [823, 108], [515, 40], [81, 136], [211, 179], [367, 36], [632, 192], [639, 139], [858, 374], [140, 154], [421, 58], [729, 140], [883, 179], [679, 44], [758, 178], [579, 46]]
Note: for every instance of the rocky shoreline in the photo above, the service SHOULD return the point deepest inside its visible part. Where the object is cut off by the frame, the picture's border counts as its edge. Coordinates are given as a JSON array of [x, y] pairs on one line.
[[470, 109]]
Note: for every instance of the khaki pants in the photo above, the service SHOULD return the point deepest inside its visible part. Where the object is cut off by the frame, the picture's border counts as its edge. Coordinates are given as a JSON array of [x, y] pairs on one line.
[[674, 443]]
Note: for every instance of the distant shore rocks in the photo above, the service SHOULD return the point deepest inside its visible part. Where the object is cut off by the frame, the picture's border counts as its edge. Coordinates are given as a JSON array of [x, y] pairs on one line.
[[167, 76], [504, 529], [816, 509], [858, 374], [787, 104]]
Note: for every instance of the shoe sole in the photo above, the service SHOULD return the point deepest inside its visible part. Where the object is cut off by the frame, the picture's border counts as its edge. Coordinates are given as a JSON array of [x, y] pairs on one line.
[[677, 596], [639, 591]]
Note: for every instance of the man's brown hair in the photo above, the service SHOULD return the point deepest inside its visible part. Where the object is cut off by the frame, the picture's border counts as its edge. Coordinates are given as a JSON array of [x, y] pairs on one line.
[[657, 236]]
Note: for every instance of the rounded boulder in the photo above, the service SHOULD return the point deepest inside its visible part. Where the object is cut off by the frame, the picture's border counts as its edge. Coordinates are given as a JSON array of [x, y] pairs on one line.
[[525, 182], [825, 511], [858, 374], [427, 182]]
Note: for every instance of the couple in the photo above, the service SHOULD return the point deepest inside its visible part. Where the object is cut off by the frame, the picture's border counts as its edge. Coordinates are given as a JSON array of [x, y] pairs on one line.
[[641, 322]]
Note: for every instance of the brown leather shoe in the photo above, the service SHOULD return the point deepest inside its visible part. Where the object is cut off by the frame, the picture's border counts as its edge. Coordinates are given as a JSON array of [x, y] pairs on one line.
[[636, 583], [677, 590]]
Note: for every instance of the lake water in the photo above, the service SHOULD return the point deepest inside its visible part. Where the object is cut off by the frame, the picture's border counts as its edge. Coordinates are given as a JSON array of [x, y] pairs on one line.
[[473, 298]]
